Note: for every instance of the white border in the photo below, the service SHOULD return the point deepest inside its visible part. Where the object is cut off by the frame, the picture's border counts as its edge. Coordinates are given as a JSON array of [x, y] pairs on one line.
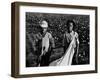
[[38, 70]]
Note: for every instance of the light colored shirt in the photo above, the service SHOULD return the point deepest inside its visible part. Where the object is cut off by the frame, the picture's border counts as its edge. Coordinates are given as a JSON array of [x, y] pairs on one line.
[[46, 42], [68, 38]]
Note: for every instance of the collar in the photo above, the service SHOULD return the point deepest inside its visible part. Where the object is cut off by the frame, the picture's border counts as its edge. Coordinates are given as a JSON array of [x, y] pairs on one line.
[[71, 32]]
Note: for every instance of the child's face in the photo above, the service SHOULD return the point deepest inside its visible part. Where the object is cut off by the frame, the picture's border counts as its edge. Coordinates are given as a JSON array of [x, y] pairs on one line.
[[70, 26], [44, 25], [44, 30]]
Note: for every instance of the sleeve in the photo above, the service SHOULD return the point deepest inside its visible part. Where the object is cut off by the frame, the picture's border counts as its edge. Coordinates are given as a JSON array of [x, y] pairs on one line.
[[33, 43], [63, 41], [52, 41]]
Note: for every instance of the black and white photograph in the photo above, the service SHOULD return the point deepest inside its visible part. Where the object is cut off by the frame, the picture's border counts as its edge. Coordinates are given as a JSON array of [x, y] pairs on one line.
[[57, 39], [51, 39]]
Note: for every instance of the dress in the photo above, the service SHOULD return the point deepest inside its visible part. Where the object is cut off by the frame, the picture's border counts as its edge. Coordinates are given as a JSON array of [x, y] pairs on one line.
[[66, 59]]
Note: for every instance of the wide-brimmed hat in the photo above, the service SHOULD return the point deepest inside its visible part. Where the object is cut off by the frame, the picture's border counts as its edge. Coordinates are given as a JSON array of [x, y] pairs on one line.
[[44, 22]]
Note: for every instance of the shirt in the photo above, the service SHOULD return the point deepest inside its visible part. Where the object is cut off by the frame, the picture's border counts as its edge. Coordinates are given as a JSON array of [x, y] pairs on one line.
[[68, 38], [47, 41]]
